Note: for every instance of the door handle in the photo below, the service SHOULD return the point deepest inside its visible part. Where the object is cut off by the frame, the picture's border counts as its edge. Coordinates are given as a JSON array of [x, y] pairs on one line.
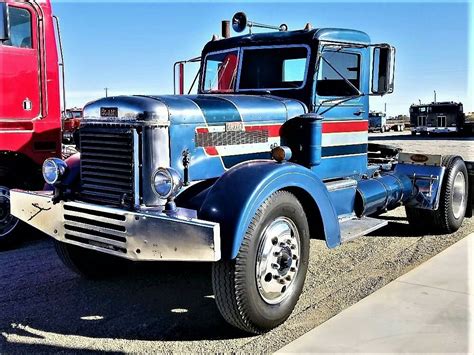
[[359, 112]]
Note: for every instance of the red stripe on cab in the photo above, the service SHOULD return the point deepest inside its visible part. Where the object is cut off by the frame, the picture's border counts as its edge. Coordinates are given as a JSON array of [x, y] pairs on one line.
[[342, 126], [211, 150], [273, 130]]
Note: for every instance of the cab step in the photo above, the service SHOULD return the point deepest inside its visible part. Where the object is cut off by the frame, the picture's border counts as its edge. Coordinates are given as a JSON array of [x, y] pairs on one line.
[[357, 227]]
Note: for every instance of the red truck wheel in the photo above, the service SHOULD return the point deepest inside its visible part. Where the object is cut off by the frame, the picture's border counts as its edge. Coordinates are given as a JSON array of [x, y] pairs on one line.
[[258, 290], [8, 223]]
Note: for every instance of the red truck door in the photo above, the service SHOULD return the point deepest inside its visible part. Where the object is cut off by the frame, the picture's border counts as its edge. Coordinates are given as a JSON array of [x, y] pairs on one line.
[[20, 66]]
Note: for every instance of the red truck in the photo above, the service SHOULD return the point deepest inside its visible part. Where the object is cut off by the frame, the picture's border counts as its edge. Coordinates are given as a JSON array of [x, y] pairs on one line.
[[30, 104], [71, 123]]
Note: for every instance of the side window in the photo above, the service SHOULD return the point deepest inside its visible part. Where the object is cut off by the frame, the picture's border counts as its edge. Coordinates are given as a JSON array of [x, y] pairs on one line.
[[20, 28], [333, 68], [294, 69]]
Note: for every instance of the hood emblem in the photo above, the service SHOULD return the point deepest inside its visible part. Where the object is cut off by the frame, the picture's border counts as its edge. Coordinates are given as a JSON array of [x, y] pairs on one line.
[[109, 111]]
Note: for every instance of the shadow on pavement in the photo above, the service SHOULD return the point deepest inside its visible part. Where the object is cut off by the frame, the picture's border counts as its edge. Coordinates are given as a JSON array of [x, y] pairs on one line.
[[160, 302]]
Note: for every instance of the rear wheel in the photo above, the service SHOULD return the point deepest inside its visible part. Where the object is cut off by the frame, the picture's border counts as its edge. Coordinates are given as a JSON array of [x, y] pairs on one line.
[[89, 263], [453, 200], [259, 289]]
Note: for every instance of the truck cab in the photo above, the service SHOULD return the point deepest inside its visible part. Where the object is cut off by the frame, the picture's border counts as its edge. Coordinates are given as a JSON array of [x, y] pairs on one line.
[[270, 152], [30, 116], [437, 117]]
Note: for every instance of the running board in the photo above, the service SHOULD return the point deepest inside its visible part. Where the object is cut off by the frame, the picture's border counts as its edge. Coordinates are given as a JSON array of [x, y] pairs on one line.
[[354, 228]]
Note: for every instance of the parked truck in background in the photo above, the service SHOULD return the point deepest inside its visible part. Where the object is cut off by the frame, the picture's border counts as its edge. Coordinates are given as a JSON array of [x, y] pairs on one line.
[[439, 117], [378, 122], [272, 151], [70, 124], [30, 114]]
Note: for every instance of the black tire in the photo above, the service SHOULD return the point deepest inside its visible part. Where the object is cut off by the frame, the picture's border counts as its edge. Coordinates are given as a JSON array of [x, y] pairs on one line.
[[238, 297], [444, 220], [10, 227], [89, 264], [413, 133]]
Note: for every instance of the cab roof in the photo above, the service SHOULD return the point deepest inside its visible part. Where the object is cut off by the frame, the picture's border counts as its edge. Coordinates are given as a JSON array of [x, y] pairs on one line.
[[290, 37]]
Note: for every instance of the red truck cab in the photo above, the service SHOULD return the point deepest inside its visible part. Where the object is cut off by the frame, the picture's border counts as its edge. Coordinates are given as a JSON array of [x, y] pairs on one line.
[[30, 109]]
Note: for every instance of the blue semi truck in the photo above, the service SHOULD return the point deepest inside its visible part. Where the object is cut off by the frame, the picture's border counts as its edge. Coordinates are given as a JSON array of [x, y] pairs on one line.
[[272, 151]]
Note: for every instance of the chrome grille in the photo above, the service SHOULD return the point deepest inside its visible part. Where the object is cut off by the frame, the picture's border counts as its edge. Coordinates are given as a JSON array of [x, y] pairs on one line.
[[107, 166]]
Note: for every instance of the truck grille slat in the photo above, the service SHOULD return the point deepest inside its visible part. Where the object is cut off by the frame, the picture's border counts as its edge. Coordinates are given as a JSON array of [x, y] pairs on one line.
[[100, 186], [91, 241], [101, 229], [100, 182], [95, 223], [108, 166]]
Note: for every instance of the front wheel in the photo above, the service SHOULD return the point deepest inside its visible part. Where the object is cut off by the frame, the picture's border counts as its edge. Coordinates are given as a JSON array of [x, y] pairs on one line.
[[258, 290], [88, 263]]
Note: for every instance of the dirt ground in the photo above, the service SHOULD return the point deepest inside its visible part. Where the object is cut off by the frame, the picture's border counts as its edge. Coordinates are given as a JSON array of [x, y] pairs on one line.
[[170, 307]]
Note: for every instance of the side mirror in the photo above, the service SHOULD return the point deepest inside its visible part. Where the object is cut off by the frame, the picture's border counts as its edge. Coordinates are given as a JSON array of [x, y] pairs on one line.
[[383, 69], [4, 27]]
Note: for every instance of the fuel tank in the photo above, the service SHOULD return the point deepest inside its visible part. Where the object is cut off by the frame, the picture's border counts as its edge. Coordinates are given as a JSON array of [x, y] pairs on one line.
[[212, 132]]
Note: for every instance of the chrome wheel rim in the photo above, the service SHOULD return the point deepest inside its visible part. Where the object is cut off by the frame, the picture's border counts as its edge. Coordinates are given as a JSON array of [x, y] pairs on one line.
[[277, 260], [459, 195], [7, 221]]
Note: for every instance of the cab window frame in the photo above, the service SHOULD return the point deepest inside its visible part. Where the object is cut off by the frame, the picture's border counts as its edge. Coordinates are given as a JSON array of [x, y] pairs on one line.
[[8, 43], [352, 51], [204, 69], [289, 88]]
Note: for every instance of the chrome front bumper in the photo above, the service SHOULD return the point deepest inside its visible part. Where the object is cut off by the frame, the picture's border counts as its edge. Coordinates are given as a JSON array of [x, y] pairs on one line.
[[132, 235]]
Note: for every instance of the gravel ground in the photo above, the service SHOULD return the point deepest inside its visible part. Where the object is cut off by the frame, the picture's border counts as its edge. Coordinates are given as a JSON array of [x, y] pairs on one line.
[[170, 307]]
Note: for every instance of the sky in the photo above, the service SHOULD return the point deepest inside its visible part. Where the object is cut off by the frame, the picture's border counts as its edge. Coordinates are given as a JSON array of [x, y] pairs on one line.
[[130, 47]]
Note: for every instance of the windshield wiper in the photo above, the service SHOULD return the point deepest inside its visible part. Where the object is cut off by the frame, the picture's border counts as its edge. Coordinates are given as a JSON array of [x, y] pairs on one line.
[[352, 86]]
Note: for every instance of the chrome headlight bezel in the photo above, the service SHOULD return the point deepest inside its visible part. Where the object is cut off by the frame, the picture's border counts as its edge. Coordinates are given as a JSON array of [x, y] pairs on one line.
[[56, 166], [167, 176]]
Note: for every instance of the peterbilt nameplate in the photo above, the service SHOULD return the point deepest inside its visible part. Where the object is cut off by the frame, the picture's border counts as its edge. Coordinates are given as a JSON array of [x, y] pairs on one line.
[[109, 111]]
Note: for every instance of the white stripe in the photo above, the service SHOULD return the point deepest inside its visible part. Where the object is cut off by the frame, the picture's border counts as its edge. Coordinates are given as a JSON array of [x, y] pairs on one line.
[[344, 138], [343, 156], [228, 150]]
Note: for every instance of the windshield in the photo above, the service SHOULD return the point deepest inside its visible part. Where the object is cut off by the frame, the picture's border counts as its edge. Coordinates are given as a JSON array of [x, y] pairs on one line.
[[262, 68], [220, 71]]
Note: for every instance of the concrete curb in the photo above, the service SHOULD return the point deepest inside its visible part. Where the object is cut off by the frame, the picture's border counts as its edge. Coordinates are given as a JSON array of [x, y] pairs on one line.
[[429, 309]]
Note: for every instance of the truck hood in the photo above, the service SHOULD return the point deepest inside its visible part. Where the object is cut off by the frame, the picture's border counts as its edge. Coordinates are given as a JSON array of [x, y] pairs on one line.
[[192, 109]]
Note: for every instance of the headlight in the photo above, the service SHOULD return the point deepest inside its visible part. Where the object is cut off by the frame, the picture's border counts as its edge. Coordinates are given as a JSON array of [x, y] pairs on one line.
[[166, 182], [53, 170]]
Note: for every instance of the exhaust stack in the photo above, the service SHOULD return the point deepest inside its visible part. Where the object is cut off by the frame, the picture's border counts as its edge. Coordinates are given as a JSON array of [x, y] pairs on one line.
[[225, 29]]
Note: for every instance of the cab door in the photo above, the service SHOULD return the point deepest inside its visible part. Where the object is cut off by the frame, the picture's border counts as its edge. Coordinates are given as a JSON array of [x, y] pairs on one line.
[[20, 65], [342, 75]]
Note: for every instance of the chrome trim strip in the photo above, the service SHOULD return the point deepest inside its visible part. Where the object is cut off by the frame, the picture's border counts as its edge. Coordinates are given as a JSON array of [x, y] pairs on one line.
[[136, 168], [340, 184]]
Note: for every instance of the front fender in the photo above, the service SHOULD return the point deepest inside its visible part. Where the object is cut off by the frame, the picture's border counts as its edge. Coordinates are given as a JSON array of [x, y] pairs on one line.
[[235, 197]]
